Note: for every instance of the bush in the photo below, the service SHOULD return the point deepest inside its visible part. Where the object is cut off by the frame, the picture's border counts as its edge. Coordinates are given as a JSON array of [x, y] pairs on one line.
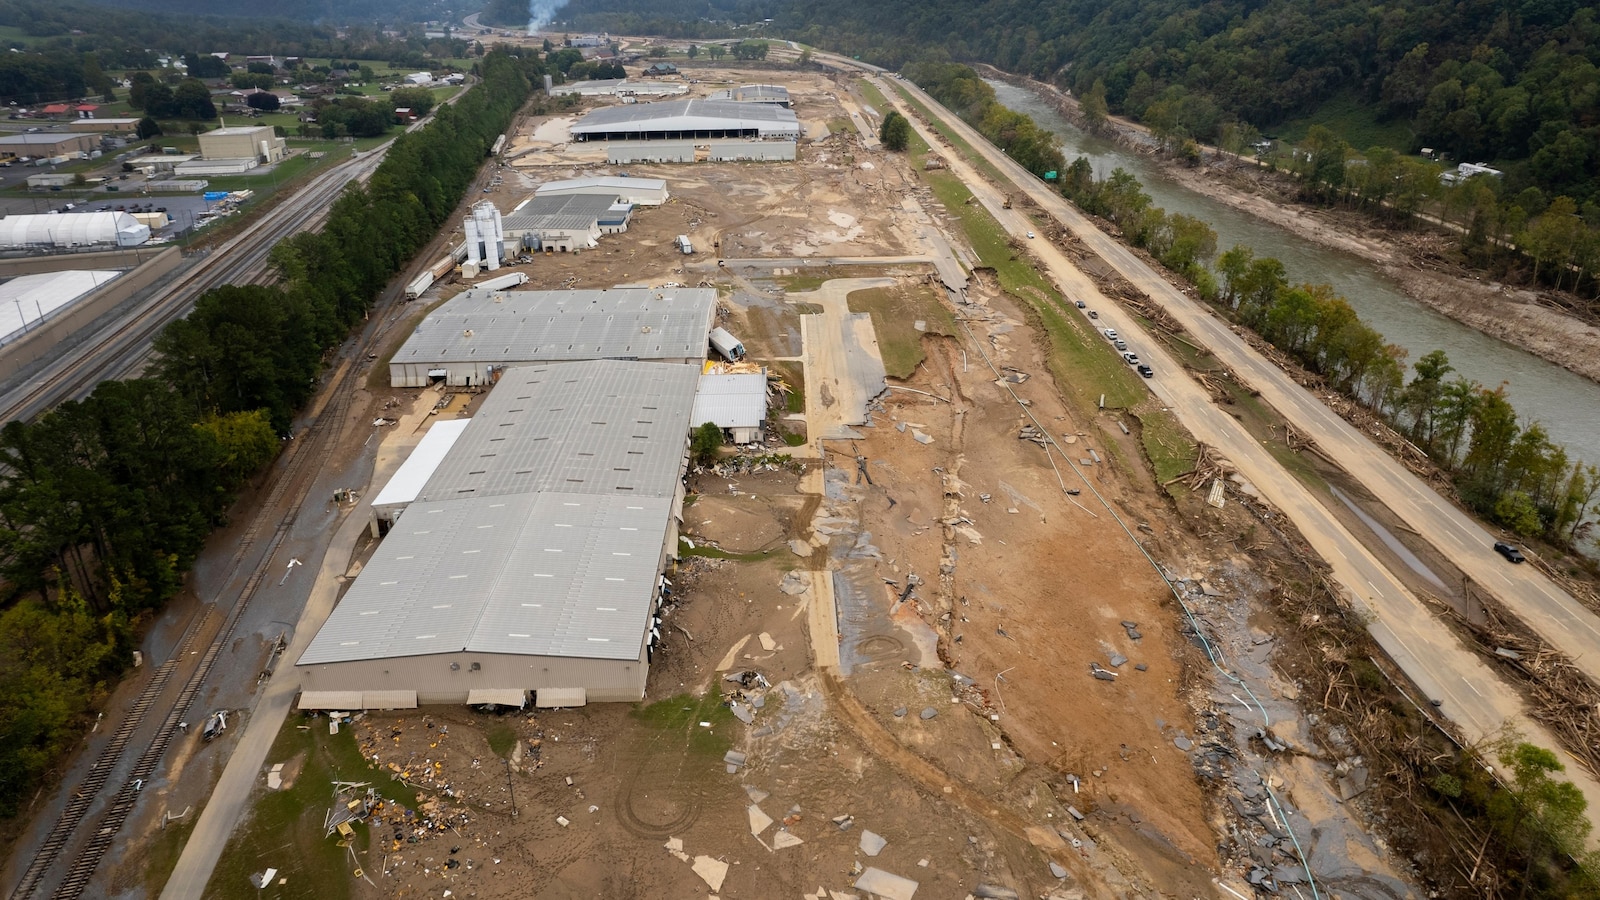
[[706, 444]]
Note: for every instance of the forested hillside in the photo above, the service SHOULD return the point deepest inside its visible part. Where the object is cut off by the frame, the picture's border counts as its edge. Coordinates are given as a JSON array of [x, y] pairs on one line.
[[1513, 82], [668, 18], [335, 11]]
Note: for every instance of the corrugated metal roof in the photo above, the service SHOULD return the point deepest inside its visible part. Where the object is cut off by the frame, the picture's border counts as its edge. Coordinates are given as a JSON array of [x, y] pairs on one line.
[[601, 427], [553, 574], [27, 297], [550, 326], [731, 401], [689, 115], [564, 212], [607, 183], [407, 481]]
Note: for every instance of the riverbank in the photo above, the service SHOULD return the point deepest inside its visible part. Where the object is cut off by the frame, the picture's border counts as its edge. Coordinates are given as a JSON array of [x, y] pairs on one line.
[[1420, 262]]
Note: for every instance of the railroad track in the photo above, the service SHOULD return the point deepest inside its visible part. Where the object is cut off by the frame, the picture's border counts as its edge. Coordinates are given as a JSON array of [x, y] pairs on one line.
[[121, 348], [247, 262], [316, 445]]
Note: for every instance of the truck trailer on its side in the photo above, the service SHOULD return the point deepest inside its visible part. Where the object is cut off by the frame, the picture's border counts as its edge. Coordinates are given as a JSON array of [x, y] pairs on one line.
[[727, 345]]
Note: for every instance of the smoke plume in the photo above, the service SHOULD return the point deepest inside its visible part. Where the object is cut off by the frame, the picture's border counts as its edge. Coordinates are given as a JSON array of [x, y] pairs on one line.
[[541, 13]]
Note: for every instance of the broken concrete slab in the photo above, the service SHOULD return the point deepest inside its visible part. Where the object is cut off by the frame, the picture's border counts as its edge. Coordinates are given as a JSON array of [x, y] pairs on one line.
[[711, 871], [784, 840], [735, 758], [795, 581], [767, 642], [1118, 660], [1057, 869], [800, 548], [900, 712], [1183, 743], [743, 713], [884, 884], [759, 820], [872, 843], [929, 712], [921, 438], [755, 794]]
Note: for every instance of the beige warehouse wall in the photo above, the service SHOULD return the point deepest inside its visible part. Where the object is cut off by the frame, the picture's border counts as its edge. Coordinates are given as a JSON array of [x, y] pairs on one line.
[[42, 342]]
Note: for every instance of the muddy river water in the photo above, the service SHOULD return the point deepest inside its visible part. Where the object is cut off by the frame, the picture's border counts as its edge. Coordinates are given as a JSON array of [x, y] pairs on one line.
[[1567, 405]]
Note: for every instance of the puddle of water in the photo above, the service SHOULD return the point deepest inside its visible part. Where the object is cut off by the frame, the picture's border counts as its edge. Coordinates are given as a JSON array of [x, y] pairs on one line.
[[1393, 543]]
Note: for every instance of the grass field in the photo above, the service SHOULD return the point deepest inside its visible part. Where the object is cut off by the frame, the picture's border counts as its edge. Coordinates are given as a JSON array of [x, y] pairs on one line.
[[895, 313], [685, 712], [285, 828]]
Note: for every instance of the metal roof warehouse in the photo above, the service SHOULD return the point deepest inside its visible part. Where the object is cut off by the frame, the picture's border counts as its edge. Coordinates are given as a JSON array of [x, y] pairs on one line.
[[474, 335], [680, 119], [531, 560]]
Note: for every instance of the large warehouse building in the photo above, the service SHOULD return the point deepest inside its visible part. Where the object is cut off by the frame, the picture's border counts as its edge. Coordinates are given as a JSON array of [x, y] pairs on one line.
[[566, 222], [477, 334], [687, 120], [49, 144], [72, 231], [638, 191], [532, 559]]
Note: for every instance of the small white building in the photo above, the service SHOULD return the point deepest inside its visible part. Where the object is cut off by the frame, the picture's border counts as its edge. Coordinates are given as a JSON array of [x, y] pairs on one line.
[[485, 236], [406, 483], [736, 403]]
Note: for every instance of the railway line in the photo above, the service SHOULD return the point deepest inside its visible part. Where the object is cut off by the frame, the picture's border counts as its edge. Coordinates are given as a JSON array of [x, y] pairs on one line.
[[122, 349]]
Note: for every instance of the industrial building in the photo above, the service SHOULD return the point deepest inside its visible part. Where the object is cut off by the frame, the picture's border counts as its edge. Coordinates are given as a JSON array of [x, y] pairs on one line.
[[620, 87], [736, 402], [249, 145], [485, 236], [697, 120], [476, 335], [565, 222], [532, 560], [406, 484], [72, 231], [29, 301], [49, 144], [775, 94], [638, 191]]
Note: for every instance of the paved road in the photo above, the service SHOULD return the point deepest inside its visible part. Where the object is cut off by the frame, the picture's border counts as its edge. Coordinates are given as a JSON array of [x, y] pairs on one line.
[[842, 366], [1473, 695], [231, 796]]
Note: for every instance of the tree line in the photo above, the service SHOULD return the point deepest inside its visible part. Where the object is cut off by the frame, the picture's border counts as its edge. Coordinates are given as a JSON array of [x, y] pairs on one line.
[[1518, 235], [1507, 470], [106, 502]]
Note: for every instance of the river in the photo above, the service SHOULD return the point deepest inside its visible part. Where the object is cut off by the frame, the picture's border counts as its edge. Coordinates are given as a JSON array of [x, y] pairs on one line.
[[1566, 404]]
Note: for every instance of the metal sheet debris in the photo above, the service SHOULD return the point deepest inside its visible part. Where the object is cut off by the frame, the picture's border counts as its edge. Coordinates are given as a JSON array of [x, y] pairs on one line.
[[759, 821], [872, 843], [885, 884], [785, 839], [711, 871]]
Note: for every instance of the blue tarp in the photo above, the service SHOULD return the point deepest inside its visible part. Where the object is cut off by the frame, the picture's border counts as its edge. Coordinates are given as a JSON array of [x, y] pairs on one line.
[[213, 196]]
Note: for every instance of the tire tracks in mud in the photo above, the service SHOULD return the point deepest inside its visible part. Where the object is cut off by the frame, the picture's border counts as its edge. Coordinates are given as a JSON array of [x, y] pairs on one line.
[[884, 746]]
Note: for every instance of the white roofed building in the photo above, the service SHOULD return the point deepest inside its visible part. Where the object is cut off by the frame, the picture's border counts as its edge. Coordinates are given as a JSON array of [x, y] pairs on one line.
[[687, 119], [531, 561], [638, 191], [477, 334], [736, 403], [68, 231]]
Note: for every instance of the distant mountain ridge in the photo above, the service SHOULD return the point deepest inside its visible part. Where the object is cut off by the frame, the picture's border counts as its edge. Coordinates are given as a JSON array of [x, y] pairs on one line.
[[324, 11]]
